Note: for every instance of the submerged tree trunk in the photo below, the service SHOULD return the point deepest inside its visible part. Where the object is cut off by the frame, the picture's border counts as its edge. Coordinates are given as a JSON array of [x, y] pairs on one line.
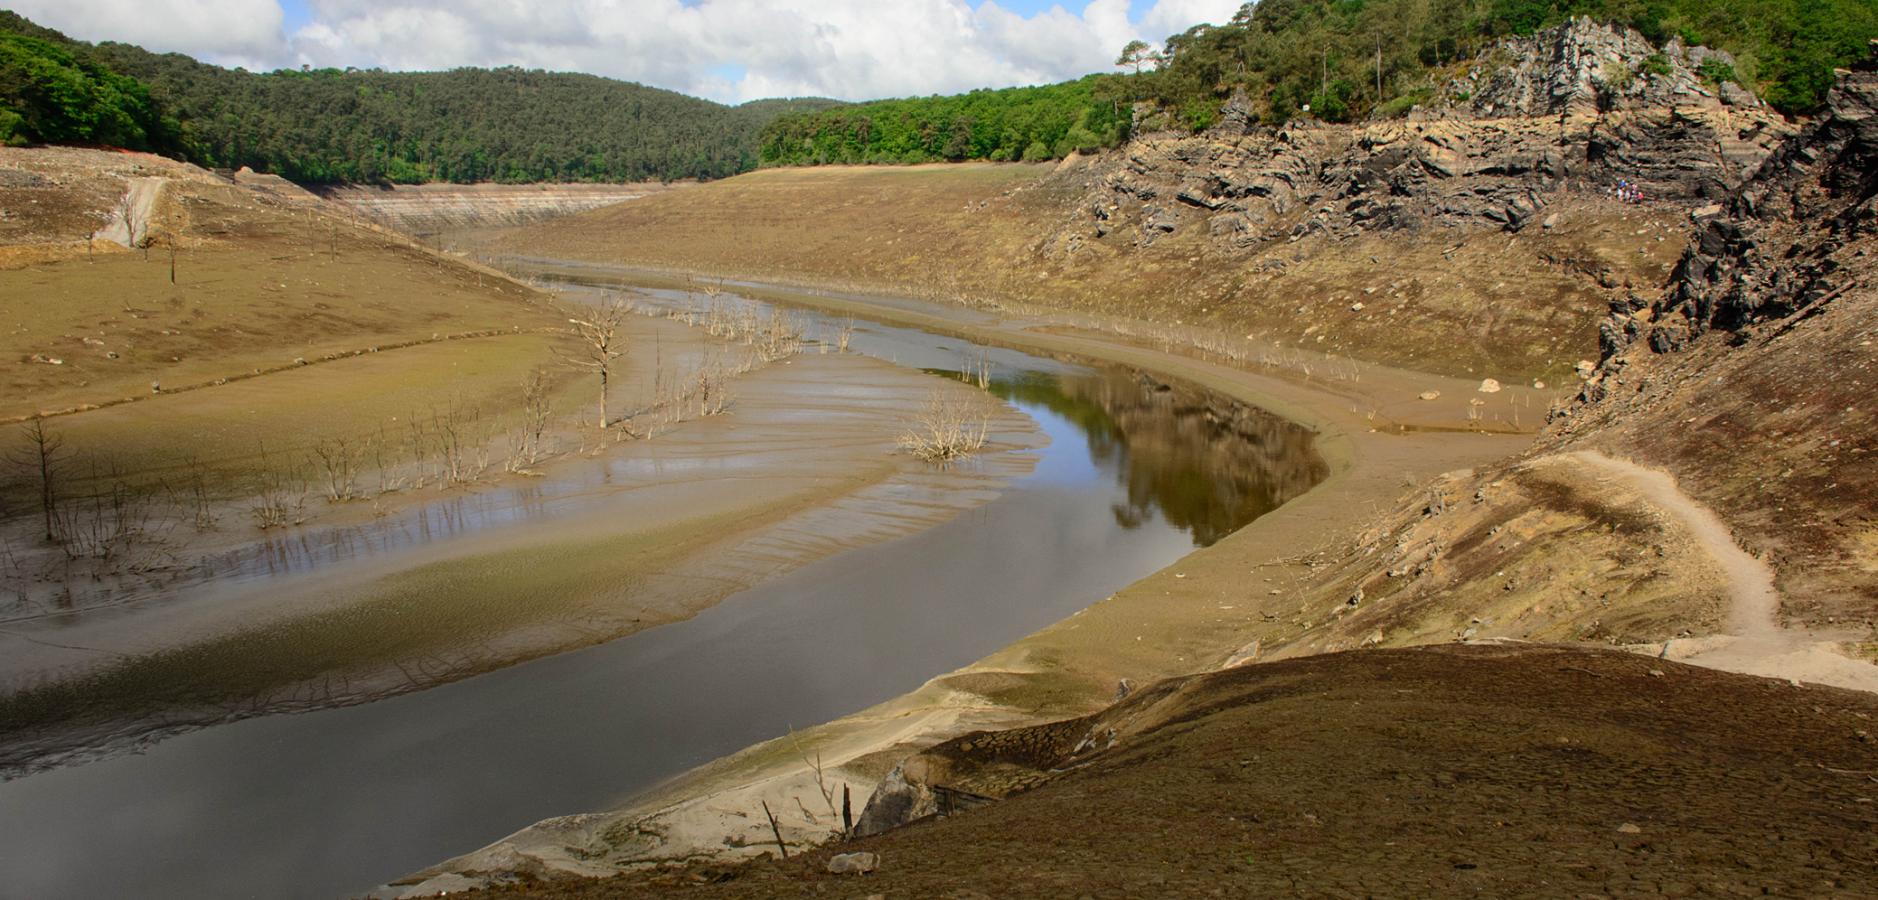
[[603, 378]]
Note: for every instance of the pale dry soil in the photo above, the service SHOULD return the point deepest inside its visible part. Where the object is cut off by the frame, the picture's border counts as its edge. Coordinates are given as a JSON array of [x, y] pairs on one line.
[[1463, 301]]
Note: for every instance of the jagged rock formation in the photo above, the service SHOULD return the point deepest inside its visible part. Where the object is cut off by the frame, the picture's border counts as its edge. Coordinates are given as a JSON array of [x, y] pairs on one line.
[[1751, 266], [1571, 109], [1751, 373]]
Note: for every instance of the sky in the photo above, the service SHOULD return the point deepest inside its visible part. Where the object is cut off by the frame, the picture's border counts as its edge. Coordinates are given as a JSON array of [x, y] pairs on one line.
[[726, 50]]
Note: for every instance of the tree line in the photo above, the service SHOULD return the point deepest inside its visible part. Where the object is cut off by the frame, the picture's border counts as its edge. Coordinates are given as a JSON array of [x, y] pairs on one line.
[[1350, 59], [1013, 124], [370, 126], [1345, 60], [48, 93]]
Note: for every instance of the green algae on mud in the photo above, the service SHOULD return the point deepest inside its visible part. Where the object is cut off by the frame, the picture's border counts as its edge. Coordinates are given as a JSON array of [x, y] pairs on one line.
[[428, 612], [647, 534]]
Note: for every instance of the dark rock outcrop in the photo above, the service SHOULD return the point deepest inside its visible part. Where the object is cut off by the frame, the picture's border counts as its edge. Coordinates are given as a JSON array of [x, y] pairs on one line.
[[1573, 108], [1773, 253]]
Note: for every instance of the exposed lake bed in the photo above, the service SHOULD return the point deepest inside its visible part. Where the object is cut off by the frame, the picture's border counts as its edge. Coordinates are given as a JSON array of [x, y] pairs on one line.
[[1107, 499]]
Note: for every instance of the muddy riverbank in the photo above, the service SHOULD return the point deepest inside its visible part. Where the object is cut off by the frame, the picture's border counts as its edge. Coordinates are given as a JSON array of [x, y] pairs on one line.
[[1109, 497], [595, 548], [1182, 618]]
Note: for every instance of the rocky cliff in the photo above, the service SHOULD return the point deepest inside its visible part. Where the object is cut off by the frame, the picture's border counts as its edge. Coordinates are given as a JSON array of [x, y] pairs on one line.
[[1528, 123], [1751, 372], [1486, 216]]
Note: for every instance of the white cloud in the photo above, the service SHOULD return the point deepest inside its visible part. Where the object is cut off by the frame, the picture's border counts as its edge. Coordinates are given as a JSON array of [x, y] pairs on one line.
[[1169, 17], [850, 49], [235, 31]]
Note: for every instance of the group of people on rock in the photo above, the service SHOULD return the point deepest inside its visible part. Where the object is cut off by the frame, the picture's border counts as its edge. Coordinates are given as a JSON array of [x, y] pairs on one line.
[[1625, 192]]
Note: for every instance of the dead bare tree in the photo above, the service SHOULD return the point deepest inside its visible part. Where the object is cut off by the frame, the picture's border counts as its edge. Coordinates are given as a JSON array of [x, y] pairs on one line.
[[44, 456], [775, 830], [602, 343], [821, 786], [196, 488], [127, 210], [537, 408]]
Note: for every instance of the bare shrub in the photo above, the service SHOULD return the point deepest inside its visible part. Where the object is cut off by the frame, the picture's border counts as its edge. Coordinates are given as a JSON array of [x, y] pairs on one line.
[[195, 499], [950, 427], [279, 499], [388, 481], [710, 386], [977, 370], [462, 442], [338, 460], [105, 523], [779, 335]]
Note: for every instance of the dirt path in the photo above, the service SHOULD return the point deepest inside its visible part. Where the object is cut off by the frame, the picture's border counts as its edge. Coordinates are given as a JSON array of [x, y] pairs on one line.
[[138, 201], [1756, 643]]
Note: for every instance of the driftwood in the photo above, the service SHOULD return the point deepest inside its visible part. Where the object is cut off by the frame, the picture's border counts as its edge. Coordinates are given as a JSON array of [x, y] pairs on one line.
[[780, 846]]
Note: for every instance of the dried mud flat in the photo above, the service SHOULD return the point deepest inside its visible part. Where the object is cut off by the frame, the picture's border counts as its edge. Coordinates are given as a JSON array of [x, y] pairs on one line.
[[1501, 770]]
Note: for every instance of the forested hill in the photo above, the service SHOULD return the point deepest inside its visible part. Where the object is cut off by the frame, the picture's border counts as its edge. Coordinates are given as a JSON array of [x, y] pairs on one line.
[[1025, 123], [1343, 59], [466, 125]]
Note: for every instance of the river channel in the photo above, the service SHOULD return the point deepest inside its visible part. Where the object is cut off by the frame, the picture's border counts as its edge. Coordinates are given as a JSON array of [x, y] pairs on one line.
[[330, 803]]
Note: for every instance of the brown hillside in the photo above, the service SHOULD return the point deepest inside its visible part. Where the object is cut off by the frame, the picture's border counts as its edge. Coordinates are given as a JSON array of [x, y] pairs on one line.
[[286, 320], [1408, 773], [1473, 239]]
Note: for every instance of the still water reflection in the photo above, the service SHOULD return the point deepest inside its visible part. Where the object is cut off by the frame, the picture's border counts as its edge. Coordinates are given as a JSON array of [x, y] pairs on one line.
[[1206, 465]]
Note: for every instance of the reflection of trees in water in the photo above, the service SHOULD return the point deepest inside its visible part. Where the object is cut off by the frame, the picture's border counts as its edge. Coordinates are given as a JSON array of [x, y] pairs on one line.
[[1208, 465]]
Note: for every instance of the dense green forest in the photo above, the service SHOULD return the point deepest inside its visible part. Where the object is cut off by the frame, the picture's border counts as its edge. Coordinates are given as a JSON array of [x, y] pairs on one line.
[[1325, 54], [1029, 123], [49, 94], [1345, 59], [327, 125]]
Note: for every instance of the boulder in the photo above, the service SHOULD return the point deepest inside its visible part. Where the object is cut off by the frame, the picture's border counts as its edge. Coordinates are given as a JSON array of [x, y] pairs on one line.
[[853, 863]]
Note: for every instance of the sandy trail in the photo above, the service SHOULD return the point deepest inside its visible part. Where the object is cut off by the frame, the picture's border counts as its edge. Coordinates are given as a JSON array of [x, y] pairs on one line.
[[138, 201], [1756, 643]]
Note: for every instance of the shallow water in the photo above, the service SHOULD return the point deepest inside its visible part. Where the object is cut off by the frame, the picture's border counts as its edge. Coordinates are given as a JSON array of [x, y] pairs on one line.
[[329, 803]]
